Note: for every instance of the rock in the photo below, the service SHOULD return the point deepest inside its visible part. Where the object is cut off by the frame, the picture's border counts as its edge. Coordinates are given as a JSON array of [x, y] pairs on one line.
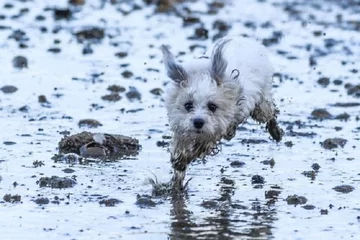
[[272, 194], [133, 94], [354, 90], [20, 62], [221, 26], [200, 34], [12, 198], [89, 123], [190, 20], [296, 200], [274, 39], [332, 143], [210, 204], [90, 34], [77, 2], [324, 81], [93, 150], [227, 181], [324, 212], [56, 182], [312, 61], [156, 91], [344, 188], [19, 36], [54, 50], [24, 109], [270, 162], [62, 14], [308, 207], [162, 5], [127, 74], [321, 114], [40, 18], [315, 167], [163, 144], [87, 49], [116, 88], [349, 104], [257, 179], [343, 117], [42, 201], [8, 89], [301, 134], [68, 170], [253, 141], [134, 110], [145, 201], [337, 82], [121, 54], [42, 99], [111, 202], [38, 163], [309, 174], [237, 164], [113, 97], [8, 5]]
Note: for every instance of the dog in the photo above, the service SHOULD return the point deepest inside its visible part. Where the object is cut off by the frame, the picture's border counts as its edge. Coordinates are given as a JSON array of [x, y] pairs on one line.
[[209, 97]]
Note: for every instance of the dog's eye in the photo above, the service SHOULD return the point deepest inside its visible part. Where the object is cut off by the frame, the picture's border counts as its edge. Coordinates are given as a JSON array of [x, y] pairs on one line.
[[212, 107], [188, 106]]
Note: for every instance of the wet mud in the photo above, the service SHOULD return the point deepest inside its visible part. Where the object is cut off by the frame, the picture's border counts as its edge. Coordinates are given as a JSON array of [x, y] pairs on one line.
[[84, 126]]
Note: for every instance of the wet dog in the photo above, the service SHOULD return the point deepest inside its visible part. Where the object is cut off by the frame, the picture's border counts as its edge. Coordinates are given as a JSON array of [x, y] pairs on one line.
[[209, 97]]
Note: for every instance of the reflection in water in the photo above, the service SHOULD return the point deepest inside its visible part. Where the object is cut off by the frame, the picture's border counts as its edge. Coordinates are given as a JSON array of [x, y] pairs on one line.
[[229, 220], [181, 225]]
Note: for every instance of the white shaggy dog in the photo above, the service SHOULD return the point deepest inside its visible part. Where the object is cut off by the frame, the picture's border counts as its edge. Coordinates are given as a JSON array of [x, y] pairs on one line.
[[209, 97]]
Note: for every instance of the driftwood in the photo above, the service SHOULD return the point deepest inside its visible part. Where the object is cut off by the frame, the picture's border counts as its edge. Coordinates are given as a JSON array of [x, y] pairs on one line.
[[99, 145]]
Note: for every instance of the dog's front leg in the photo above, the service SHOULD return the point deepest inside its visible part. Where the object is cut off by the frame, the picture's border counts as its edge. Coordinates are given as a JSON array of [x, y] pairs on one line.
[[179, 165]]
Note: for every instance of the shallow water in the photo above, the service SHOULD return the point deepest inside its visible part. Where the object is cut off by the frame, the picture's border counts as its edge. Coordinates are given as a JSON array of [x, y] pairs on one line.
[[222, 202]]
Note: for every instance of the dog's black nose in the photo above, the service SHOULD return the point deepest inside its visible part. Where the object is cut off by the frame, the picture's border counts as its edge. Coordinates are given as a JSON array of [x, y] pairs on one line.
[[198, 123]]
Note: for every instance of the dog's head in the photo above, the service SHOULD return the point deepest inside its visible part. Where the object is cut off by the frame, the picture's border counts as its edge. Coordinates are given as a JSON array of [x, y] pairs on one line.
[[200, 105]]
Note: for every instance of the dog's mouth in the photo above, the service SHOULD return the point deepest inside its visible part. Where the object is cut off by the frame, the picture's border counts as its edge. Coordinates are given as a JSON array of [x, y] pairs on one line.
[[197, 131]]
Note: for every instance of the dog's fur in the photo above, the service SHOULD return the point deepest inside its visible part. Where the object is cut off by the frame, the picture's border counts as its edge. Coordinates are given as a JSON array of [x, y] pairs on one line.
[[209, 97]]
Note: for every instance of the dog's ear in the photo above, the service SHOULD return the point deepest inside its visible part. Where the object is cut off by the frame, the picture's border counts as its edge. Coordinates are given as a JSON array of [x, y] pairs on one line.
[[174, 71], [218, 62]]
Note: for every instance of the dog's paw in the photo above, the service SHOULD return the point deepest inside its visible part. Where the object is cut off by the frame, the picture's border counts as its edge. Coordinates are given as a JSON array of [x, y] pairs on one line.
[[274, 130]]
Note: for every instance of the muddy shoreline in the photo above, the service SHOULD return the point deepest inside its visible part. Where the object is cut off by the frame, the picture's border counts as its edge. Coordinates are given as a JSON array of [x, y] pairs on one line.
[[94, 67]]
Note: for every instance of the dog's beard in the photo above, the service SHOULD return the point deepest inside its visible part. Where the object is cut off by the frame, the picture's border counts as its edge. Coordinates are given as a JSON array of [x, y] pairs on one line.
[[205, 134], [196, 143]]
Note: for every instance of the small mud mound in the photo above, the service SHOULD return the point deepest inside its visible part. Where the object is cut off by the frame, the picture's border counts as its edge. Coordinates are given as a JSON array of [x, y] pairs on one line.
[[344, 188], [98, 145], [42, 201], [56, 182], [296, 200], [332, 143], [321, 114], [12, 198], [90, 123], [145, 201], [111, 202]]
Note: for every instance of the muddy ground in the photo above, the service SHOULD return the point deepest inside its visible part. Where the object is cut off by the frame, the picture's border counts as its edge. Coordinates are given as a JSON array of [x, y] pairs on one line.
[[95, 66]]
